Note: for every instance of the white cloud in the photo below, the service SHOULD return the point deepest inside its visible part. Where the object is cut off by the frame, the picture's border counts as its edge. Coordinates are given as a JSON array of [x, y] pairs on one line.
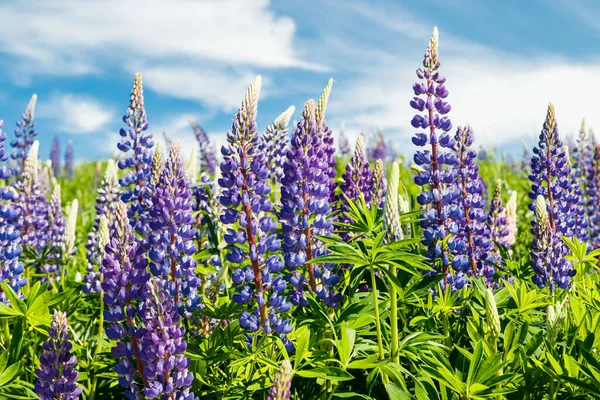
[[77, 114]]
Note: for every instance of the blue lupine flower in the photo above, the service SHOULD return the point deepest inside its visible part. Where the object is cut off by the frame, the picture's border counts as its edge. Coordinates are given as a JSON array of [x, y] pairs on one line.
[[24, 135]]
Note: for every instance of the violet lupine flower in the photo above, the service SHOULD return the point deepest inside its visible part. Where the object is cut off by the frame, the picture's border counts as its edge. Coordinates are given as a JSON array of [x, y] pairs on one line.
[[550, 172], [497, 223], [163, 346], [583, 159], [172, 234], [473, 240], [55, 157], [106, 205], [548, 251], [125, 286], [510, 211], [10, 248], [137, 140], [378, 150], [378, 184], [573, 201], [356, 181], [45, 179], [593, 194], [274, 143], [344, 145], [69, 161], [208, 159], [282, 382], [438, 172], [56, 224], [324, 132], [31, 204], [24, 135], [57, 377], [168, 140], [304, 211], [245, 199]]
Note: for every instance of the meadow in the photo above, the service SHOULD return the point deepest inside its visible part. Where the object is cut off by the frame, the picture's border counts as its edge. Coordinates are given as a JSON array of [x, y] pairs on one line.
[[292, 264]]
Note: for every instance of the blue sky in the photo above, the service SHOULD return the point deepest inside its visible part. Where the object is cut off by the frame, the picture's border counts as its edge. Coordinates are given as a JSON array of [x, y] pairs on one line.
[[504, 62]]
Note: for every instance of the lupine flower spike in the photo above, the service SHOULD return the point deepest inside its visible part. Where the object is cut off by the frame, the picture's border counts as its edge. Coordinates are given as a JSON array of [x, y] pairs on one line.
[[10, 248], [282, 382], [511, 219], [496, 220], [378, 150], [593, 198], [69, 161], [378, 184], [344, 145], [304, 211], [324, 132], [274, 142], [208, 160], [572, 200], [438, 173], [55, 157], [24, 134], [245, 199], [57, 377]]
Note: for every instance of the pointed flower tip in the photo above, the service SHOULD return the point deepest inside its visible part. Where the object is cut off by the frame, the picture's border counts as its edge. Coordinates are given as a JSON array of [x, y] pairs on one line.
[[283, 120], [541, 213], [323, 100], [29, 113]]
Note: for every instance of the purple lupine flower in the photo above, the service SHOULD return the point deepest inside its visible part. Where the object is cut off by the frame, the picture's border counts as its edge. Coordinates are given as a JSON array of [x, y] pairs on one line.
[[24, 135], [497, 221], [510, 212], [137, 140], [438, 172], [172, 238], [32, 205], [274, 143], [10, 244], [473, 240], [56, 223], [208, 159], [245, 199], [282, 382], [550, 179], [55, 157], [165, 365], [168, 140], [592, 191], [326, 135], [125, 286], [378, 184], [573, 200], [344, 145], [45, 179], [304, 211], [378, 150], [356, 181], [106, 204], [583, 159], [547, 256], [69, 161], [57, 377]]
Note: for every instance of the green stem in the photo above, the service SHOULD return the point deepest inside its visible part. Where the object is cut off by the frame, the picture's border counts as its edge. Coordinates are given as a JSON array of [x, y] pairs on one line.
[[448, 340], [6, 331], [394, 318], [377, 321]]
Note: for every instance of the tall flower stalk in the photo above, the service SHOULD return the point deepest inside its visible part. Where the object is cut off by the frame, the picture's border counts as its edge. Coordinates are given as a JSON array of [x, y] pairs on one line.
[[438, 173], [252, 238], [55, 157], [25, 134], [274, 143], [57, 377], [497, 221], [592, 191], [208, 160], [304, 211], [69, 161], [378, 185], [326, 135], [282, 382], [137, 140]]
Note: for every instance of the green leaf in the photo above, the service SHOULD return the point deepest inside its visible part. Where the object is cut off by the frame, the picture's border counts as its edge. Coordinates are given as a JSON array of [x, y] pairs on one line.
[[329, 373], [8, 374]]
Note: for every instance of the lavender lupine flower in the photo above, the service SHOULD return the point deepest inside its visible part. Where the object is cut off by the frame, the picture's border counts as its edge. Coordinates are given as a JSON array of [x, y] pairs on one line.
[[125, 286], [282, 383], [324, 132], [245, 198], [344, 145], [304, 211], [208, 159], [550, 172], [46, 181], [93, 279], [473, 240], [572, 200], [24, 135], [69, 161], [106, 204], [356, 181], [378, 184], [137, 140], [10, 249], [68, 240], [593, 195], [510, 212], [56, 223], [274, 142], [172, 238], [438, 172], [548, 251], [378, 150], [55, 157], [57, 377], [31, 204]]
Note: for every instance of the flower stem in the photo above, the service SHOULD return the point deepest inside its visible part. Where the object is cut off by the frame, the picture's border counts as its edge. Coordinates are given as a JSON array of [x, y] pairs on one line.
[[377, 321], [394, 318]]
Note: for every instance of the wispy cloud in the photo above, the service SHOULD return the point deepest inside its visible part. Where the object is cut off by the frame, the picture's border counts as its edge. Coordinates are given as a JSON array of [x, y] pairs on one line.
[[76, 114]]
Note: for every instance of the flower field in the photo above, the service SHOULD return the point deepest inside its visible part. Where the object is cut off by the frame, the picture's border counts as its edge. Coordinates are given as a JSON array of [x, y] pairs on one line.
[[292, 264]]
